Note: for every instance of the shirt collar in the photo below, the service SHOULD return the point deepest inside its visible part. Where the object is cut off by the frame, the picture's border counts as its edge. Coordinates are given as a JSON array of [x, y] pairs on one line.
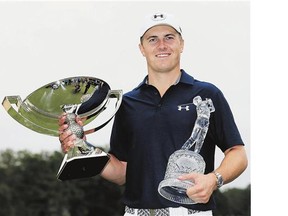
[[184, 78]]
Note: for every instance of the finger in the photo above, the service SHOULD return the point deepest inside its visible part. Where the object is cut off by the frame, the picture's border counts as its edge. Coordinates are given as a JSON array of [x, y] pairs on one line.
[[62, 119], [64, 133], [62, 129], [193, 190], [66, 146], [197, 194], [67, 142], [80, 121], [189, 176]]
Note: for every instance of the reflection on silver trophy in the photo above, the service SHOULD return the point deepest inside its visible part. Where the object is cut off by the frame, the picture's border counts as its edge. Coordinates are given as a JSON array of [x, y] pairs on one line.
[[185, 161], [87, 97]]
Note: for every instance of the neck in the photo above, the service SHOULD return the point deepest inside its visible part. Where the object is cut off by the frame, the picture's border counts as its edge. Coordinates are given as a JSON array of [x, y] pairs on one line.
[[162, 81]]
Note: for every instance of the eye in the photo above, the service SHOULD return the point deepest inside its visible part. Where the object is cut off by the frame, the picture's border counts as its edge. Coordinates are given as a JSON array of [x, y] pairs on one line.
[[169, 37], [152, 40]]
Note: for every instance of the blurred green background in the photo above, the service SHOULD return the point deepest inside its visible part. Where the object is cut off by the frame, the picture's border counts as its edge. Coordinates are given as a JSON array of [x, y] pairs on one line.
[[29, 187]]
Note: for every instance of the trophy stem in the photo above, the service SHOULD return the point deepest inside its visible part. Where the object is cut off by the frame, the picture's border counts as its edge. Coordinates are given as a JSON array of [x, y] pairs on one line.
[[188, 144], [82, 148]]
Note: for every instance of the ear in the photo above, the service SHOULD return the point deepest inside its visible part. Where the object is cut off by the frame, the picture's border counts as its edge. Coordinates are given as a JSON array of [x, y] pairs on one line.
[[182, 45], [141, 49]]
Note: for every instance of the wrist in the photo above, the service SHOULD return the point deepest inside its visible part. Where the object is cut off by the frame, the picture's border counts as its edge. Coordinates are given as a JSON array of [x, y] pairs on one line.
[[219, 179]]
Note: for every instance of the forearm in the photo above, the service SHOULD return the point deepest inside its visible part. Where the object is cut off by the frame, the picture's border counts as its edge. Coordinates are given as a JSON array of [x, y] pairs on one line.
[[115, 171], [233, 164]]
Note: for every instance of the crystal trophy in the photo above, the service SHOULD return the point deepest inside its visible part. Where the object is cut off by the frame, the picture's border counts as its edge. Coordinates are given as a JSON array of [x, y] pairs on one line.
[[186, 161], [89, 98]]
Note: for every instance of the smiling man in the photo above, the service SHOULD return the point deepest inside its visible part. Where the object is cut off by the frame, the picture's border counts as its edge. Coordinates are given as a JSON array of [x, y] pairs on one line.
[[162, 45], [156, 118]]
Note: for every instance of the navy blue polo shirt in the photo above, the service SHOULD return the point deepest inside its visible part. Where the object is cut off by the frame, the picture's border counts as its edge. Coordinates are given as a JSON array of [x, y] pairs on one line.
[[148, 128]]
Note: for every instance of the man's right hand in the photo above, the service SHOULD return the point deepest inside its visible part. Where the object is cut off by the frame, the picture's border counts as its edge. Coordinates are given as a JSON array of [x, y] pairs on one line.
[[66, 137]]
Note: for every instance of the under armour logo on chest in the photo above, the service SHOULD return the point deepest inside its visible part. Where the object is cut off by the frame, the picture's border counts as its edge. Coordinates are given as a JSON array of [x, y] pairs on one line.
[[180, 108]]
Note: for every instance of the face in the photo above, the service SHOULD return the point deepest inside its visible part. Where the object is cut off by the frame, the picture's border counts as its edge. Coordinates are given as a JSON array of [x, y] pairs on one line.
[[162, 47]]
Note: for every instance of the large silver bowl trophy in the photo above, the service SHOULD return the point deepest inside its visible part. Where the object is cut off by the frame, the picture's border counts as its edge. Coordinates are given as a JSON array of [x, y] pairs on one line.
[[87, 97], [186, 161]]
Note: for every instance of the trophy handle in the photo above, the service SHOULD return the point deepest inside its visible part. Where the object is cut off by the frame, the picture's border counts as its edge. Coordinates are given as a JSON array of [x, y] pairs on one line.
[[8, 103], [112, 94]]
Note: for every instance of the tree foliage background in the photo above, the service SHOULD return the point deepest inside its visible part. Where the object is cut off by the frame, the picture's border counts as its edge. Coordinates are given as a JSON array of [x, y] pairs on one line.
[[28, 187]]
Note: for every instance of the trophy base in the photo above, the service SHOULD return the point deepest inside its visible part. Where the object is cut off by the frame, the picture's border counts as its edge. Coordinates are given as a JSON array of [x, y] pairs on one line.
[[82, 166], [180, 162], [175, 190]]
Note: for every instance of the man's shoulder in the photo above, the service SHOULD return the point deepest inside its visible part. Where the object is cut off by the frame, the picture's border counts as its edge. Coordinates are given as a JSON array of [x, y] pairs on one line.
[[189, 79], [131, 94], [205, 85]]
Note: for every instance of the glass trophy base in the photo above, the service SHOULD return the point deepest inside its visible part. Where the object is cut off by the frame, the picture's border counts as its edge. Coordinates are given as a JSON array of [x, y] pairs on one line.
[[180, 162], [175, 190], [84, 166]]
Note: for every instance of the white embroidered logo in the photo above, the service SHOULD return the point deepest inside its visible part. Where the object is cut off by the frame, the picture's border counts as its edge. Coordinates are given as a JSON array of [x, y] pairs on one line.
[[183, 107]]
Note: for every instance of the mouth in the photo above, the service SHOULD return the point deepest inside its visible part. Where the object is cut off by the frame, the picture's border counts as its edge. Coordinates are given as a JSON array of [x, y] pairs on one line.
[[163, 55]]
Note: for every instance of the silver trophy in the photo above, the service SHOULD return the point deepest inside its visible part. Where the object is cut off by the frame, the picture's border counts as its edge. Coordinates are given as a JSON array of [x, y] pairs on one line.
[[186, 161], [87, 97]]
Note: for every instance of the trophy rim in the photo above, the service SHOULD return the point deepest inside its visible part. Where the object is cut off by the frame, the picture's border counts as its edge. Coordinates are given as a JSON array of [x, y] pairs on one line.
[[33, 109], [168, 190]]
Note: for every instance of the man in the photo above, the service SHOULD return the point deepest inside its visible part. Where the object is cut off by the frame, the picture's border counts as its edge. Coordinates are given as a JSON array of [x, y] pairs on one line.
[[149, 127]]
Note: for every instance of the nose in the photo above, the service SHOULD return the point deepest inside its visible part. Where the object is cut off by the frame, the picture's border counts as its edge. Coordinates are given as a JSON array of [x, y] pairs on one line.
[[162, 44]]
